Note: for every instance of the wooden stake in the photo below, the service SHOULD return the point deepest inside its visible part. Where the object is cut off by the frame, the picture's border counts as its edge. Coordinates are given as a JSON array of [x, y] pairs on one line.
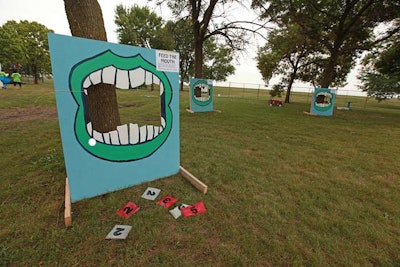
[[309, 113], [67, 211], [193, 180]]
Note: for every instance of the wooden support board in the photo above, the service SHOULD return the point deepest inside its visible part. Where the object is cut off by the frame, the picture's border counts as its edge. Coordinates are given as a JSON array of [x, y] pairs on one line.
[[215, 110], [193, 180], [67, 211], [309, 113]]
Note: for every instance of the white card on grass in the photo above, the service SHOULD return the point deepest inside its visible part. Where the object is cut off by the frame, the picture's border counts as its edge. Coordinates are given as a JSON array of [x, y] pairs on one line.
[[176, 212], [151, 193], [119, 232]]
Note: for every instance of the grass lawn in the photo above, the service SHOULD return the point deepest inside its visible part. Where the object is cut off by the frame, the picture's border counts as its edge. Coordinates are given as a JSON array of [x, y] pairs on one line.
[[285, 189]]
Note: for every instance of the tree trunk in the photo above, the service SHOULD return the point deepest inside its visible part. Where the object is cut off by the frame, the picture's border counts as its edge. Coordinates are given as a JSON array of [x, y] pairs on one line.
[[329, 71], [86, 20], [198, 50], [35, 74], [327, 76], [181, 85], [289, 87], [198, 59]]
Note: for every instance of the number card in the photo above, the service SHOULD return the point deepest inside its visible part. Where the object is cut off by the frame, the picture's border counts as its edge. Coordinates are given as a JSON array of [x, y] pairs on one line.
[[151, 193], [167, 201], [176, 212], [119, 232], [127, 210], [196, 209]]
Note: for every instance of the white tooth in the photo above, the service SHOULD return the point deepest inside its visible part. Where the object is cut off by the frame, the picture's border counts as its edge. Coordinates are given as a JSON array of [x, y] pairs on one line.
[[108, 75], [87, 83], [143, 134], [85, 91], [149, 77], [162, 122], [95, 77], [123, 134], [122, 79], [160, 129], [137, 77], [161, 88], [98, 136], [133, 133], [89, 129], [150, 129], [114, 137], [106, 138], [156, 80], [156, 130]]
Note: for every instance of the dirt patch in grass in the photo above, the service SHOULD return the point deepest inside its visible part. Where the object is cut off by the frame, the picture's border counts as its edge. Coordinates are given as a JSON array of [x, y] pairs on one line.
[[27, 113]]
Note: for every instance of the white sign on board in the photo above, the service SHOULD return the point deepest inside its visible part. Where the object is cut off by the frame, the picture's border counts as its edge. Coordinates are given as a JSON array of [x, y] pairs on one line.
[[167, 61]]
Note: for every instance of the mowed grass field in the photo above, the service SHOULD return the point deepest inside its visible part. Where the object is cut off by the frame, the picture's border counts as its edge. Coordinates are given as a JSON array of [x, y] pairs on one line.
[[285, 189]]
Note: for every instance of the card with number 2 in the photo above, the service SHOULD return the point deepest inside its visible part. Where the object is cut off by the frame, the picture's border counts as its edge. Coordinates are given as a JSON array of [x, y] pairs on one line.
[[127, 210]]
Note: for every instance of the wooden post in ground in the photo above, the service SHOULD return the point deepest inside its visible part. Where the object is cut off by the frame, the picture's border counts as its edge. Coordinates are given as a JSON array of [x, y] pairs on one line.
[[67, 211], [193, 180]]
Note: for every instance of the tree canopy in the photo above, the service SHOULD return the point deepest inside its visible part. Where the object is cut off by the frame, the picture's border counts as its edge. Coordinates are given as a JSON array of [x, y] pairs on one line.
[[380, 73], [342, 30], [25, 43], [138, 26]]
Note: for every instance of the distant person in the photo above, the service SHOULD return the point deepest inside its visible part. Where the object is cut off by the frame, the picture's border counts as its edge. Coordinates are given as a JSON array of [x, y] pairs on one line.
[[4, 80], [16, 77]]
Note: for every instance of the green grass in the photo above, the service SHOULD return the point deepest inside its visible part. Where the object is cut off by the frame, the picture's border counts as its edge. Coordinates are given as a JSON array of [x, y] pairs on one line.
[[285, 189]]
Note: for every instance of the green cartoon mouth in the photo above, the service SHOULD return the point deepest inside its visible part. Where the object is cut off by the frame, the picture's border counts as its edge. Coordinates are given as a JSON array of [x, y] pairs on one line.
[[129, 141], [202, 93], [323, 101]]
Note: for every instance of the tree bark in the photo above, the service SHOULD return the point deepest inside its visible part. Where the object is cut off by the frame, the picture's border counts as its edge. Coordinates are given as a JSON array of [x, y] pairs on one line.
[[289, 87], [200, 28], [86, 20], [198, 57], [329, 70]]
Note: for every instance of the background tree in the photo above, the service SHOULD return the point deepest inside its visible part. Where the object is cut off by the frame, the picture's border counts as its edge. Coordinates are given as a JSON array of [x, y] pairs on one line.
[[217, 60], [210, 19], [11, 46], [180, 32], [86, 20], [138, 26], [343, 29], [25, 43], [175, 36], [287, 53], [380, 74], [141, 27]]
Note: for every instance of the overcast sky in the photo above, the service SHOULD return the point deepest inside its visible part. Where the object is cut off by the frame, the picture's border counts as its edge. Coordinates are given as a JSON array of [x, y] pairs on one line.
[[51, 13]]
